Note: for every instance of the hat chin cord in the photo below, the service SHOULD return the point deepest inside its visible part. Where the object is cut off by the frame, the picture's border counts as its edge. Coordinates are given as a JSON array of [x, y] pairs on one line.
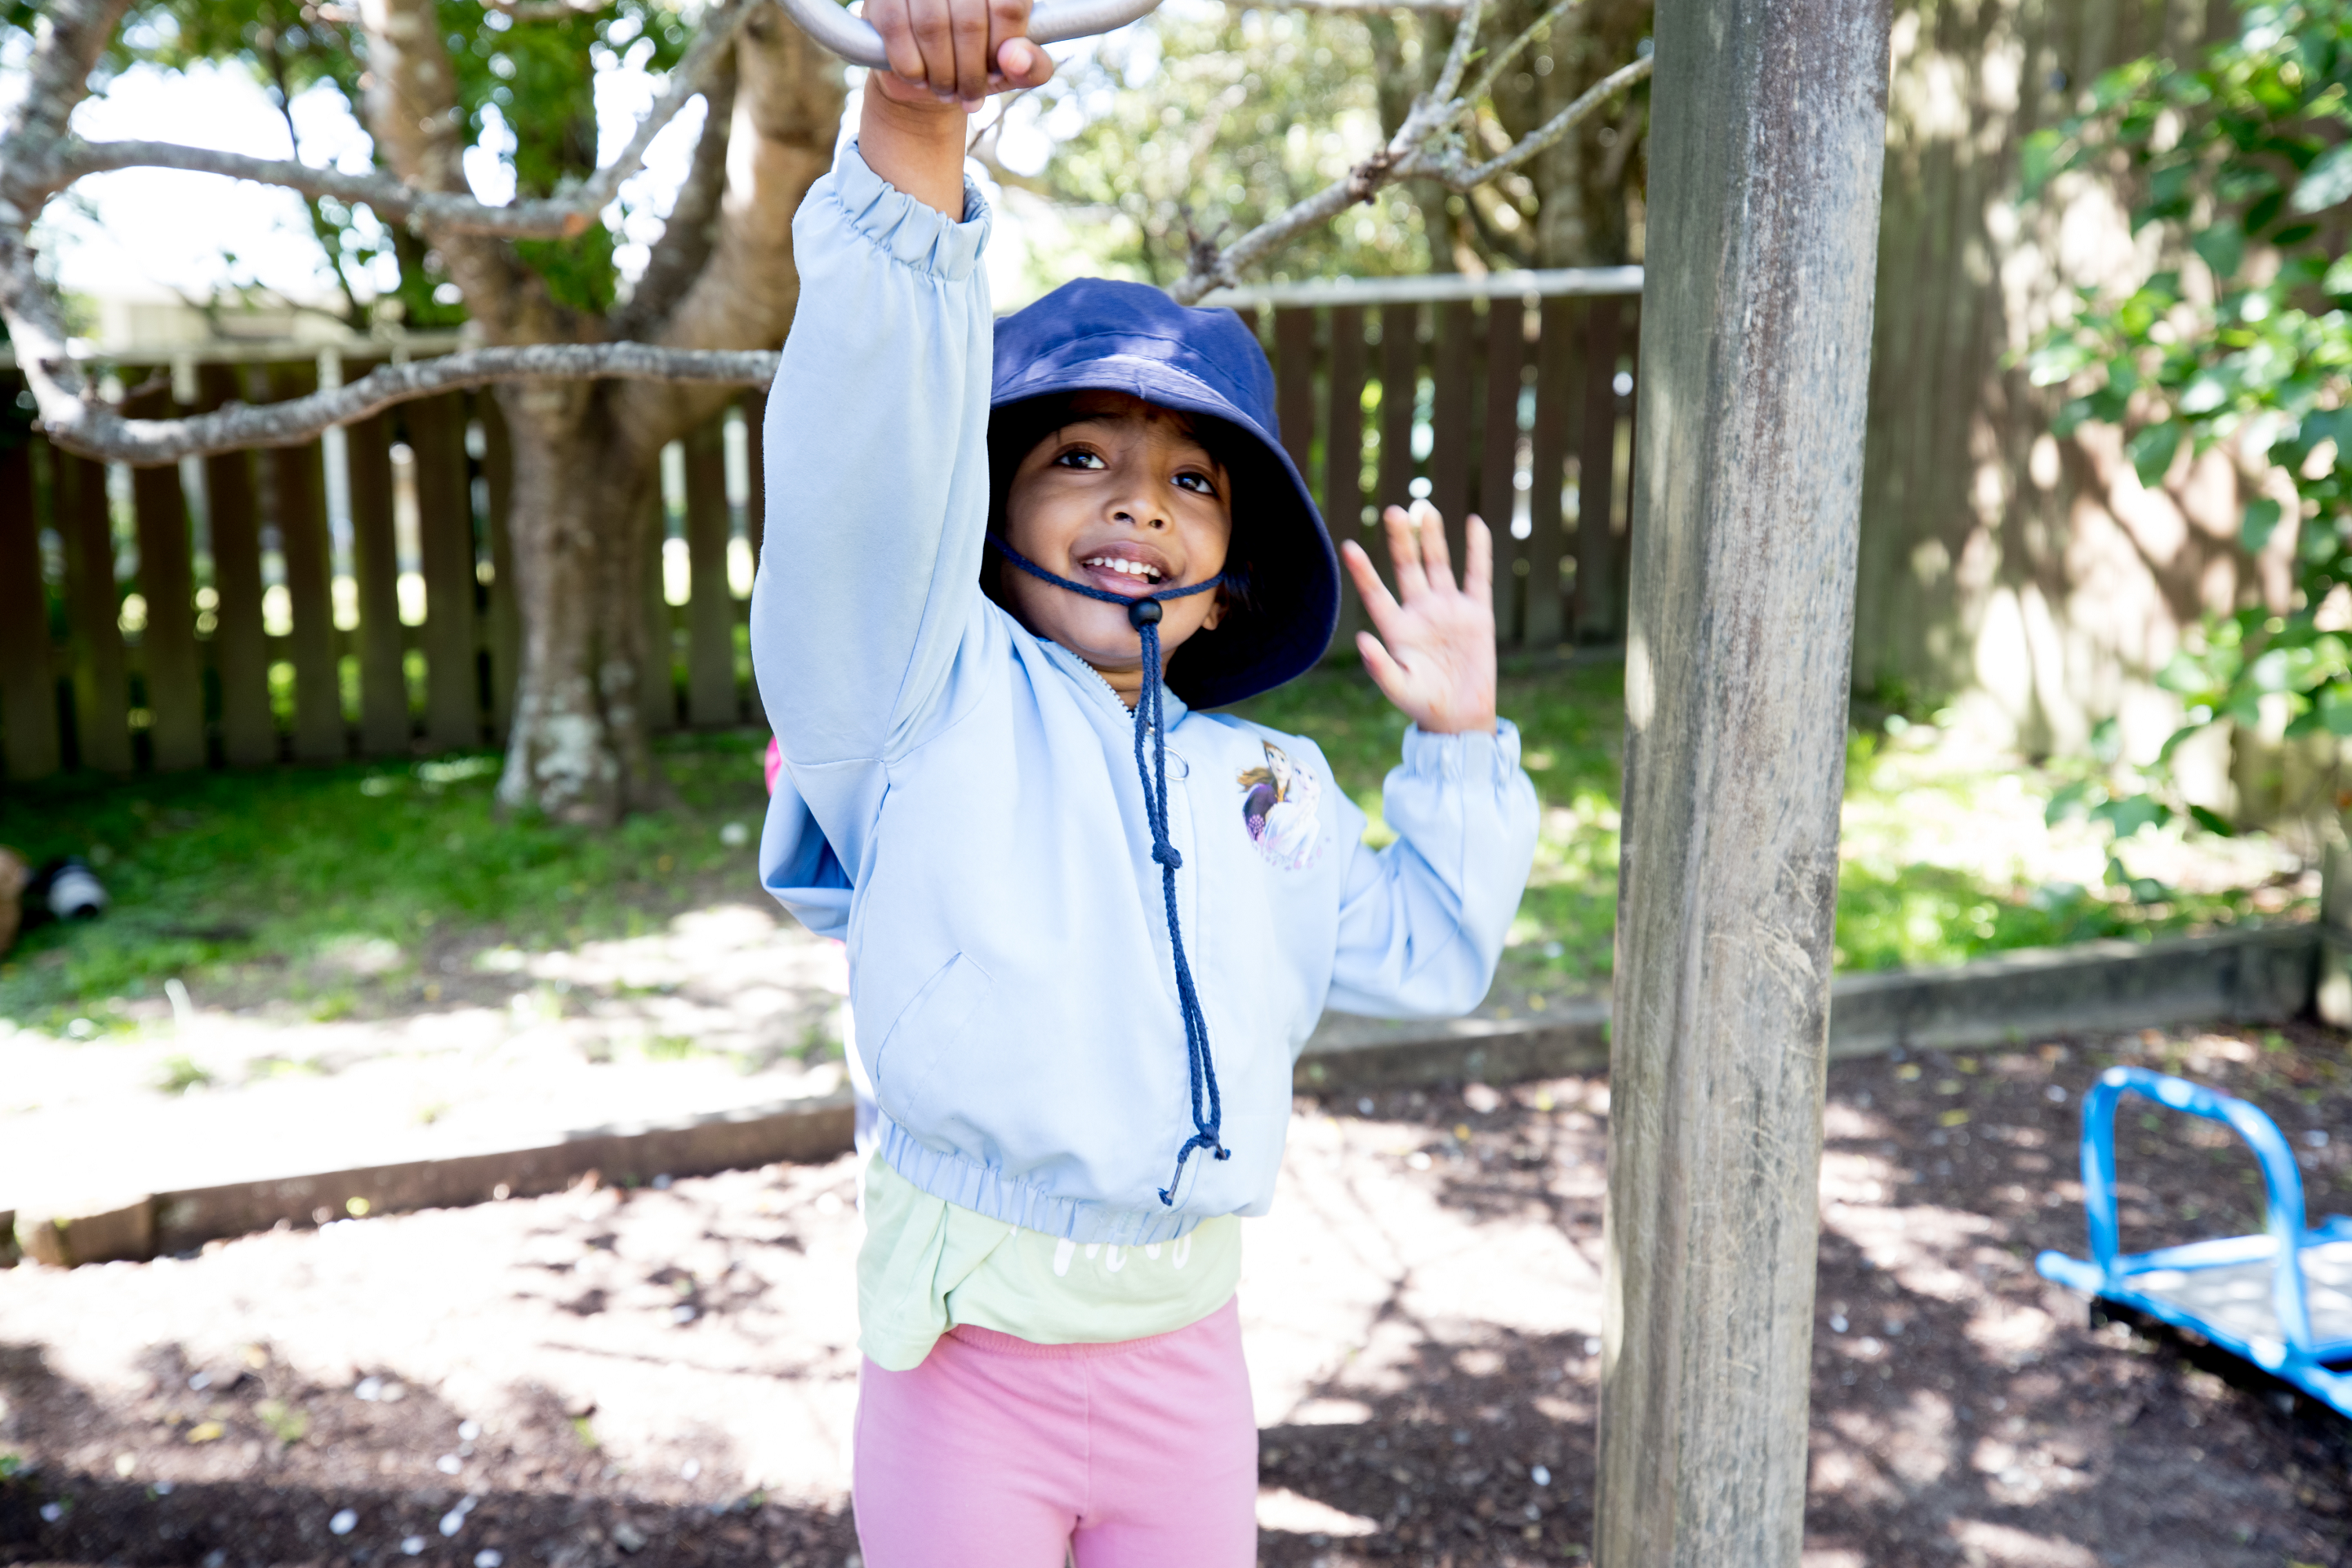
[[1143, 614]]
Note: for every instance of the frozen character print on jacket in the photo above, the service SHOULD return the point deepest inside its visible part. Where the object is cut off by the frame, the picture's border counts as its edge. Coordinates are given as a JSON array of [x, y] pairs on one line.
[[1280, 806]]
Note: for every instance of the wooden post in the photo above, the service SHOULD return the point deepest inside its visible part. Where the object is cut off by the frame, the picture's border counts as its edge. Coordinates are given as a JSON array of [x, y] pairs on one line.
[[1767, 128], [28, 692]]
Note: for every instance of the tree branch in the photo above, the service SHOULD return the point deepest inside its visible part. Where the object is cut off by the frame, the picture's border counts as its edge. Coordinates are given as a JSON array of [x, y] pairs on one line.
[[1429, 143], [1463, 177], [95, 429], [443, 210]]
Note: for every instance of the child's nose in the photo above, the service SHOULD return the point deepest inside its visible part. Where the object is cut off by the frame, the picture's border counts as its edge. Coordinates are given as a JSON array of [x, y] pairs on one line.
[[1140, 514]]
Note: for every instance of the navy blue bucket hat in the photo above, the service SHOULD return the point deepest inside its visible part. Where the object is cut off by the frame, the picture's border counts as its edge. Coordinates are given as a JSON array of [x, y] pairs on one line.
[[1098, 335]]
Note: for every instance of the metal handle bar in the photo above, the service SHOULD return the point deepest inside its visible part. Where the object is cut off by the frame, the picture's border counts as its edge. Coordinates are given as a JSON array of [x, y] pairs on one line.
[[1054, 22], [2281, 1177]]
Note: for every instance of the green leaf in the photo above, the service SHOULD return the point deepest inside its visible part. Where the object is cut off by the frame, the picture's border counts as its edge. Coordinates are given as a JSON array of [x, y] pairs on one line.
[[2068, 803], [2151, 448], [2212, 820], [2330, 425], [2261, 517], [2327, 181], [2223, 247], [2132, 814], [2339, 279], [2039, 161]]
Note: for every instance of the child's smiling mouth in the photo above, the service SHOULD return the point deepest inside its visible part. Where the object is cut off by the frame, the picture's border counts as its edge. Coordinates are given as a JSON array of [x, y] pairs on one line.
[[1125, 569]]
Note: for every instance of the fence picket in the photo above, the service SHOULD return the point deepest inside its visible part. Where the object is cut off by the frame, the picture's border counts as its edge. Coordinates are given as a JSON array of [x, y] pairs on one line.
[[445, 528], [657, 679], [240, 648], [1499, 456], [1596, 481], [1544, 622], [710, 606], [755, 513], [1294, 385], [167, 647], [1449, 426], [384, 725], [502, 621], [1400, 399], [299, 490], [1343, 454], [28, 691], [102, 684]]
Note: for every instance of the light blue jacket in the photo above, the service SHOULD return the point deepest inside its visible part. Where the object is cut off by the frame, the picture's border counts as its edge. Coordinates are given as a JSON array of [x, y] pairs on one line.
[[959, 799]]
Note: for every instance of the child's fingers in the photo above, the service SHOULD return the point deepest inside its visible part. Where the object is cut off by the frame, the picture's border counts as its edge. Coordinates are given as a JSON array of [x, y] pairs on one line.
[[1386, 673], [1437, 561], [891, 18], [935, 37], [968, 26], [1478, 572], [1378, 603], [1023, 65], [1404, 554]]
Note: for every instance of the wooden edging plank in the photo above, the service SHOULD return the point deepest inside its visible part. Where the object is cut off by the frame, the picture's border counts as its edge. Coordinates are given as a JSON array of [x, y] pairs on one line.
[[2245, 977]]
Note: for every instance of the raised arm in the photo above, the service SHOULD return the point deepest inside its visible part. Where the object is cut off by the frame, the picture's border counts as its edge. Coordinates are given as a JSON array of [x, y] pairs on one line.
[[1422, 922], [877, 430]]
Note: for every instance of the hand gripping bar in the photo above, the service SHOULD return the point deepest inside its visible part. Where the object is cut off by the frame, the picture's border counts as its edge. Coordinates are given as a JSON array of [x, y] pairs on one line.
[[1054, 22]]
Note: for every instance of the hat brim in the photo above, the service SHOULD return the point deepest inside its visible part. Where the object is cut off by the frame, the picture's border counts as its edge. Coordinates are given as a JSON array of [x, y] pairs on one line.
[[1285, 627]]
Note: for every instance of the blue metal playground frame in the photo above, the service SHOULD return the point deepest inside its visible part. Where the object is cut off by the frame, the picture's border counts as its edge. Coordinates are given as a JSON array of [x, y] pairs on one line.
[[2294, 1356]]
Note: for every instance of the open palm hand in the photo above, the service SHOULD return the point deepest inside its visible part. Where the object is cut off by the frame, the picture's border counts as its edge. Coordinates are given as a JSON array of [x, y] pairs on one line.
[[1435, 654]]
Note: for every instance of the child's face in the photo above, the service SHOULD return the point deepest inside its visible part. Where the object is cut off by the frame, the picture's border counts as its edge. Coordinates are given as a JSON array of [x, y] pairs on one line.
[[1123, 497]]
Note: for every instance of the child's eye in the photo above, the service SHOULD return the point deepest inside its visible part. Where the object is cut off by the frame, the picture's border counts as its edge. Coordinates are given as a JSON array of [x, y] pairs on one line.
[[1079, 457], [1199, 484]]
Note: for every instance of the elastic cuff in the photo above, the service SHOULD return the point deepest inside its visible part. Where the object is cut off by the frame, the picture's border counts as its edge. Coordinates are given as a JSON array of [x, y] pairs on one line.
[[911, 231], [1463, 755]]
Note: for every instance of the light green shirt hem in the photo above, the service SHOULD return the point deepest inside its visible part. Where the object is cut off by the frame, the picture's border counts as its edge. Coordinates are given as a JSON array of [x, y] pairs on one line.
[[927, 1266]]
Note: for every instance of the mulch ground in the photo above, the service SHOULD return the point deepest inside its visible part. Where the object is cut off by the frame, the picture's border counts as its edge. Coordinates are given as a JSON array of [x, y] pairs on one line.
[[601, 1378]]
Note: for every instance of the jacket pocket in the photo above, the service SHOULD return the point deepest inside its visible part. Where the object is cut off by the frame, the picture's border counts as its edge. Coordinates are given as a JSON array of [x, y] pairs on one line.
[[922, 1035]]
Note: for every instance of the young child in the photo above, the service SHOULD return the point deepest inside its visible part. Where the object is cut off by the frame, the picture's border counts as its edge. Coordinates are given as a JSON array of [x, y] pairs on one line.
[[1090, 924]]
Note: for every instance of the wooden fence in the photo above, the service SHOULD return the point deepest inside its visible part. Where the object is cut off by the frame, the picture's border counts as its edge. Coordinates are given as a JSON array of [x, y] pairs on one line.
[[350, 597]]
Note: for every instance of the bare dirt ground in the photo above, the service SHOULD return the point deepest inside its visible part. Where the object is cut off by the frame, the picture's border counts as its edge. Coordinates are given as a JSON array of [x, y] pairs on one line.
[[604, 1378]]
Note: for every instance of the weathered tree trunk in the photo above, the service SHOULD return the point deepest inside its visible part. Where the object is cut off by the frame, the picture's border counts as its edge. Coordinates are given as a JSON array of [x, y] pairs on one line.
[[586, 456], [577, 514], [1767, 130]]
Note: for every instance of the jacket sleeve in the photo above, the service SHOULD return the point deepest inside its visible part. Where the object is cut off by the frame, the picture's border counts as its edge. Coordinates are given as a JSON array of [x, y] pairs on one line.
[[1422, 922], [877, 470]]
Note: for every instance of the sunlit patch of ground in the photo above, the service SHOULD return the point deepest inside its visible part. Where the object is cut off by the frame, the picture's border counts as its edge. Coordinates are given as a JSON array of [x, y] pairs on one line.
[[729, 1006], [1422, 1311]]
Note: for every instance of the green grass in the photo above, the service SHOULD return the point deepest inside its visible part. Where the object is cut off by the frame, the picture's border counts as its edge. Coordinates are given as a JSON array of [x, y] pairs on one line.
[[351, 890], [238, 882]]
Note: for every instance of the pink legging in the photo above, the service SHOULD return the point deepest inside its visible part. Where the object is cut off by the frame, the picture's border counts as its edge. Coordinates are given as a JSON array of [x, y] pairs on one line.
[[997, 1453]]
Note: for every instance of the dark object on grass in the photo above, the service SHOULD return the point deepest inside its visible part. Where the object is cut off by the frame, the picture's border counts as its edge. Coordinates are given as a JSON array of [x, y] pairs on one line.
[[66, 889], [14, 877]]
